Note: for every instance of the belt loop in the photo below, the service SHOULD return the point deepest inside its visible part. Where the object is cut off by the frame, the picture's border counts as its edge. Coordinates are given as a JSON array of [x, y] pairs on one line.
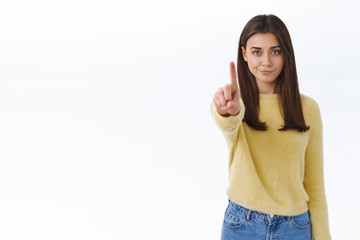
[[248, 215]]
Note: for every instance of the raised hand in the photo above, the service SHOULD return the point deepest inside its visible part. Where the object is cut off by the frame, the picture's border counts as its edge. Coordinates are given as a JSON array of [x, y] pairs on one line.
[[226, 99]]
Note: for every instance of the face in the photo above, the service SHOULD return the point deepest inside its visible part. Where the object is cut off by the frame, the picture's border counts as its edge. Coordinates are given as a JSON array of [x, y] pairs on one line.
[[265, 60]]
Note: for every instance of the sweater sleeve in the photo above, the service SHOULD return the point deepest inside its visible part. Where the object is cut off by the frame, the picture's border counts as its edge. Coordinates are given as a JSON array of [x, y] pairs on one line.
[[314, 176], [228, 125]]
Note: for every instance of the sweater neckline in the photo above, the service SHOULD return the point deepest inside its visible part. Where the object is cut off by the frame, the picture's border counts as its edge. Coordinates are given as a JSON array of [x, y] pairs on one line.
[[264, 95]]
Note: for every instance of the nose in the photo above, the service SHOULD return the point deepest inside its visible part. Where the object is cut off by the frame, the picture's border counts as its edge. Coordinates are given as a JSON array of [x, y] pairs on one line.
[[266, 61]]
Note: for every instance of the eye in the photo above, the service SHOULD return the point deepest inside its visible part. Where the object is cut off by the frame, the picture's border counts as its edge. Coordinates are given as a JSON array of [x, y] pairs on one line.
[[256, 53], [276, 52]]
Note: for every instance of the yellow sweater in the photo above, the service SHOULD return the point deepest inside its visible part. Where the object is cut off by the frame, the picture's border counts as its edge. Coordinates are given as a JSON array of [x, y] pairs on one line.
[[277, 172]]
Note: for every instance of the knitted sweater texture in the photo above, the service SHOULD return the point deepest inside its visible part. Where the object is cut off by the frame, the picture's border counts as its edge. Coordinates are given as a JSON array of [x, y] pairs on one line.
[[277, 172]]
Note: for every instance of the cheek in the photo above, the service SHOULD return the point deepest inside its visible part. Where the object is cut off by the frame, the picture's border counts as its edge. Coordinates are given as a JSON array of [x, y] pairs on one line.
[[281, 65], [280, 62], [253, 63]]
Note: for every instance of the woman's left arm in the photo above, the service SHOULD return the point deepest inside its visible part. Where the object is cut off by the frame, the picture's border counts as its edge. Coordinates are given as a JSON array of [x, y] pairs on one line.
[[314, 175]]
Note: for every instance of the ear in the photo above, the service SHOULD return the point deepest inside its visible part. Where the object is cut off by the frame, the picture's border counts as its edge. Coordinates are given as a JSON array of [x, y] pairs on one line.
[[244, 53]]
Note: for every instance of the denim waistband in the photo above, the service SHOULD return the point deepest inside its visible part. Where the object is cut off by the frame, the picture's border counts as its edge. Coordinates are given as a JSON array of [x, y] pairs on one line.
[[259, 215]]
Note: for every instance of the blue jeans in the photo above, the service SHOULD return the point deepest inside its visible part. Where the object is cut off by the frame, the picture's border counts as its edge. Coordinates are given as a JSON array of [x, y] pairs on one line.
[[241, 223]]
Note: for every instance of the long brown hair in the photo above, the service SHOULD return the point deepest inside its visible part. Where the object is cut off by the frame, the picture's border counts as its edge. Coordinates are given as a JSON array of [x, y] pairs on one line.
[[286, 83]]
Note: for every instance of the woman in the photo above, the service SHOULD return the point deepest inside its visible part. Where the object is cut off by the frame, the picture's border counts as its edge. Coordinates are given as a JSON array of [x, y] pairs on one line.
[[274, 135]]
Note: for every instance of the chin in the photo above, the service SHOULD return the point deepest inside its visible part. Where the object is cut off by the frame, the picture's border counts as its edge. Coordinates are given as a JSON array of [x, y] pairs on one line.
[[267, 80]]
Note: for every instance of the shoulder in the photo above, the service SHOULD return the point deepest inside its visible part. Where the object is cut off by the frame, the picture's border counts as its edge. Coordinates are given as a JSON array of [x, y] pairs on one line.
[[309, 103], [311, 109]]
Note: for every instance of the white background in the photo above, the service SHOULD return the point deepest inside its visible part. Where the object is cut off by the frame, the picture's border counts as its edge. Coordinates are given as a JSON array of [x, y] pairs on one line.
[[105, 128]]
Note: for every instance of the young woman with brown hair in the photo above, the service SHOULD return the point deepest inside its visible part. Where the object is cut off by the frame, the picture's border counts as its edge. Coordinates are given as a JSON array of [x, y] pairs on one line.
[[274, 135]]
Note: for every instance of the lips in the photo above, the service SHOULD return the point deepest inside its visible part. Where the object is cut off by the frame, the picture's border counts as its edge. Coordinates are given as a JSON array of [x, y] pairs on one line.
[[267, 72]]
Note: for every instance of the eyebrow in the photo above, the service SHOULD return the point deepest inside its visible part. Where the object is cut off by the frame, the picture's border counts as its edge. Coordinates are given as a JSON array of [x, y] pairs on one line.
[[270, 48]]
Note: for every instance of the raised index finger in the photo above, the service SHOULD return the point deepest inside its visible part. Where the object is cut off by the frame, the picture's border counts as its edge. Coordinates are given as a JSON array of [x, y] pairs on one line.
[[234, 84]]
